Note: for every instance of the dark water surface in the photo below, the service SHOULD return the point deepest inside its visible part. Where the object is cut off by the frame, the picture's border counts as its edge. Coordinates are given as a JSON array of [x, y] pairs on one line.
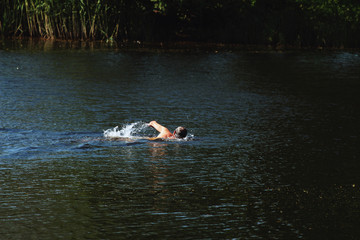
[[274, 154]]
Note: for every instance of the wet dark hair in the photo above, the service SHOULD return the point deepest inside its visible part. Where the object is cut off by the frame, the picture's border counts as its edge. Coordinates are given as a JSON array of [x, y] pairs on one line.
[[180, 132]]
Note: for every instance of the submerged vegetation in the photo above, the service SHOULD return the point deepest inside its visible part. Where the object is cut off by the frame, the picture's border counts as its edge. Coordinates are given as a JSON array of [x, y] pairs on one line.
[[300, 23]]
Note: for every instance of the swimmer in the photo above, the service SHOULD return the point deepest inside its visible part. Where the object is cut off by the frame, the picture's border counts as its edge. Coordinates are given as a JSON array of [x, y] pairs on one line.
[[180, 132]]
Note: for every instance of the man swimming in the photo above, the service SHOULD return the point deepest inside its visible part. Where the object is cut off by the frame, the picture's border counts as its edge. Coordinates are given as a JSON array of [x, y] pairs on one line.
[[180, 132]]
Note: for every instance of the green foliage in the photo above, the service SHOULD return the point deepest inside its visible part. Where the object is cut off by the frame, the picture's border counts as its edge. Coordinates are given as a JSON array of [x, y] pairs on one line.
[[326, 23]]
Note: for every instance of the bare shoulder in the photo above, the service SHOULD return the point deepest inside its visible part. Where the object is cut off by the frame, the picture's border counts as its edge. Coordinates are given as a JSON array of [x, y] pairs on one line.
[[165, 134]]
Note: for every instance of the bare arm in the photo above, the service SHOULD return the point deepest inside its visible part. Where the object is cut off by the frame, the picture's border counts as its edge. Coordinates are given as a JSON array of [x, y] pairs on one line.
[[157, 126], [164, 132]]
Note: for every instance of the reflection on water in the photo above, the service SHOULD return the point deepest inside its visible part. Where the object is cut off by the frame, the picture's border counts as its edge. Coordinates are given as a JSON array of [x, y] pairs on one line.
[[275, 152]]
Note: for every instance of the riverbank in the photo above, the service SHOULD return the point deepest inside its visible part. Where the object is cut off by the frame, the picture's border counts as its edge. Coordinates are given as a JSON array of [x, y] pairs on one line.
[[298, 23], [179, 46]]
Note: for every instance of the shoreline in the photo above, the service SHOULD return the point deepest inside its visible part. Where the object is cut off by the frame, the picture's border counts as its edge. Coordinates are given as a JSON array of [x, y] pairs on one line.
[[175, 46]]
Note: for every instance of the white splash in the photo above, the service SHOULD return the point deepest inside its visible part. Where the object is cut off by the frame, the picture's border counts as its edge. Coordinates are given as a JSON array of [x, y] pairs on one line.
[[189, 137], [127, 131]]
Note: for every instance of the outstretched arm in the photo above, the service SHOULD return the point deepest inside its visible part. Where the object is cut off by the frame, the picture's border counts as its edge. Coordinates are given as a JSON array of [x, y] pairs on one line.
[[164, 132], [157, 126]]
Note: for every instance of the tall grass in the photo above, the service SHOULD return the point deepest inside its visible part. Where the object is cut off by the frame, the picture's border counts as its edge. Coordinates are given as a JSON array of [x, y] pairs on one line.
[[277, 22], [67, 19]]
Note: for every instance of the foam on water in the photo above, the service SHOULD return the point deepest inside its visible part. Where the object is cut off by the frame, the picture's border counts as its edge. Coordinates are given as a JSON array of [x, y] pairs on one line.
[[127, 131]]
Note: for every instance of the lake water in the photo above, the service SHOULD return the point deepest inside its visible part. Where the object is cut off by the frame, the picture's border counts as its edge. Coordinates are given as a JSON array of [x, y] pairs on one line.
[[273, 151]]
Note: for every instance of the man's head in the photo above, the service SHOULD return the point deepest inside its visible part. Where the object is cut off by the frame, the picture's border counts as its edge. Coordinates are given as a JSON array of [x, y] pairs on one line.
[[180, 132]]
